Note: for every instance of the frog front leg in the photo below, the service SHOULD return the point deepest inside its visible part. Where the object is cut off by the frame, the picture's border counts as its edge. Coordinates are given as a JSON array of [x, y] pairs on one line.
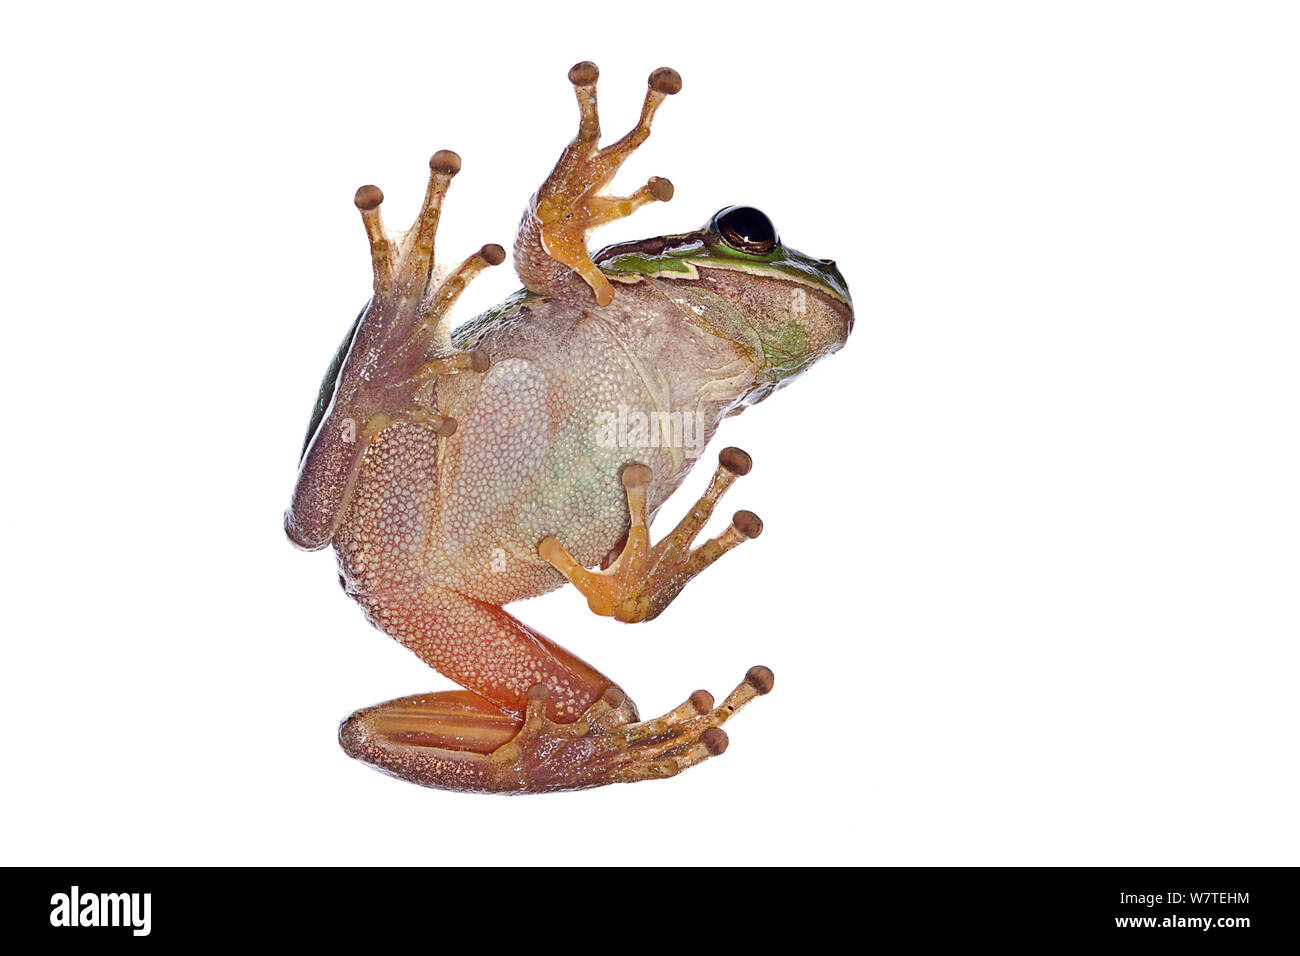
[[552, 238], [538, 718], [644, 579]]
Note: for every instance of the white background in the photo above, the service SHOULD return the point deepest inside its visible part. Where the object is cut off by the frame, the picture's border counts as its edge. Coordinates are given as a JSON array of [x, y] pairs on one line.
[[1029, 578]]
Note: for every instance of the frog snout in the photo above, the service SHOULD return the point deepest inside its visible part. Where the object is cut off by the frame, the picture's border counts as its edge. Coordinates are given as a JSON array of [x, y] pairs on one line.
[[825, 322], [845, 307], [842, 317], [846, 312]]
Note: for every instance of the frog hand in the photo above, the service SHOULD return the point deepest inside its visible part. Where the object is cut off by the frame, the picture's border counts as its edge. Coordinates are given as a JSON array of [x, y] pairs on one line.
[[643, 580], [458, 741], [401, 345], [552, 237]]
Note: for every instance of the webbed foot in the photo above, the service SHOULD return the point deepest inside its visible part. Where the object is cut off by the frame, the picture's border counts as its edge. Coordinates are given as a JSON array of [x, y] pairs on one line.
[[458, 741]]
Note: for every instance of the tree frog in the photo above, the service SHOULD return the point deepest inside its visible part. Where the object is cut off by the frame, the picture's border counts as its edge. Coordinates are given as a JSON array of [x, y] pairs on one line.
[[457, 471]]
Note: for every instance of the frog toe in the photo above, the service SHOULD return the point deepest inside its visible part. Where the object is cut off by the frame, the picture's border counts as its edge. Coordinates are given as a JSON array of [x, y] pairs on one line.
[[689, 734]]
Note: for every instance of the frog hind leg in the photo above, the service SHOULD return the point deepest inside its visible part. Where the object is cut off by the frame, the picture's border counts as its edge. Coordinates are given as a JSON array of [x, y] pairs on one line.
[[533, 717], [401, 345], [456, 740], [644, 579], [552, 238]]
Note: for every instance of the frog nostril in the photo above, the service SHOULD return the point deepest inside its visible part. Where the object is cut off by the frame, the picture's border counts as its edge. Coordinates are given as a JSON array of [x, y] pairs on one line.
[[828, 262]]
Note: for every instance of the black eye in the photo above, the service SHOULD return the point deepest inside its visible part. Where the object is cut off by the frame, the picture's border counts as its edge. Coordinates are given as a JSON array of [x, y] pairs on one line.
[[747, 229]]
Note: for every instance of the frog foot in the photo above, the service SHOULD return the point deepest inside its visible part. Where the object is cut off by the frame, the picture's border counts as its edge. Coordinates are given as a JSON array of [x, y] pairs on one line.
[[400, 346], [603, 747], [458, 741], [643, 580], [570, 204], [410, 316]]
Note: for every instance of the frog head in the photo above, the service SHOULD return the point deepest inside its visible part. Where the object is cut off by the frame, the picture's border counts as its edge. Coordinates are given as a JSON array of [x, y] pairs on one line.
[[736, 278]]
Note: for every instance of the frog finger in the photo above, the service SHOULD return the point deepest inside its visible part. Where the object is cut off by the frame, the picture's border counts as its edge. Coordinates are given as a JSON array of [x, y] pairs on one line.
[[745, 525], [603, 209], [583, 76], [663, 83], [573, 173], [733, 463]]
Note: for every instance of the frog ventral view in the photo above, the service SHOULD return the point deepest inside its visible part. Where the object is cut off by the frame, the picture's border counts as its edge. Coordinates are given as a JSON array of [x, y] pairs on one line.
[[456, 472]]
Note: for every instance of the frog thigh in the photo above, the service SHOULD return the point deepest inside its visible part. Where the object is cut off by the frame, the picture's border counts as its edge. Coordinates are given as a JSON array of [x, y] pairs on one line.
[[502, 442]]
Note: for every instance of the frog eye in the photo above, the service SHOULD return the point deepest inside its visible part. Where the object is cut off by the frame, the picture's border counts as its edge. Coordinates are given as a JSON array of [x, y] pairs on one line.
[[746, 229]]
